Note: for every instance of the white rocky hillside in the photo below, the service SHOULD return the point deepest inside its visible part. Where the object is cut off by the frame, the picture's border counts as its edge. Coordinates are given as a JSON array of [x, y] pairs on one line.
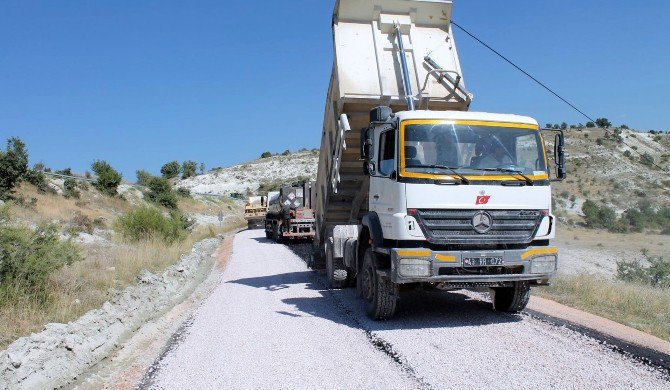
[[610, 170], [247, 177]]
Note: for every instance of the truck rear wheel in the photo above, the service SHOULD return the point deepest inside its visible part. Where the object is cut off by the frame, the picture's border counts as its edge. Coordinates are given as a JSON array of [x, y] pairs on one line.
[[511, 299], [268, 234], [276, 237], [380, 294], [338, 276]]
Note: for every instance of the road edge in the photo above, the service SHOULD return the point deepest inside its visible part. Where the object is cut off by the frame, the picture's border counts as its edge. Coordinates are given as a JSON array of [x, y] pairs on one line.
[[625, 339], [144, 378]]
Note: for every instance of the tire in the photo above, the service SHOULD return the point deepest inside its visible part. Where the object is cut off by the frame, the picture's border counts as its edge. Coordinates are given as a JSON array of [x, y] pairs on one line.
[[338, 276], [380, 295], [511, 299], [275, 234], [268, 234]]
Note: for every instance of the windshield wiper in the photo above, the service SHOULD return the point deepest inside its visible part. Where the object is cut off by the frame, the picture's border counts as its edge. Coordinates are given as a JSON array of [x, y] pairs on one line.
[[451, 169], [527, 179]]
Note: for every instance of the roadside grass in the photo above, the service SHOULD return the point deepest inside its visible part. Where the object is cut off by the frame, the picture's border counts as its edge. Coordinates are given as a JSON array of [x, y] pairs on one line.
[[639, 306], [74, 289], [53, 207]]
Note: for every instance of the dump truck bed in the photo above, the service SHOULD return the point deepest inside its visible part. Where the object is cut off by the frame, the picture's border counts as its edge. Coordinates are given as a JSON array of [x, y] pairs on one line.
[[366, 73]]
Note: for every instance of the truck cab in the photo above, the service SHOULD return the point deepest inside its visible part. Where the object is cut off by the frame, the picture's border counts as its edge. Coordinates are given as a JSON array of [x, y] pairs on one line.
[[456, 200], [470, 191]]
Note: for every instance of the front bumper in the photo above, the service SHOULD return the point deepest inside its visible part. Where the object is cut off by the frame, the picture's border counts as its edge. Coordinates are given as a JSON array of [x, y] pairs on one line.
[[536, 264]]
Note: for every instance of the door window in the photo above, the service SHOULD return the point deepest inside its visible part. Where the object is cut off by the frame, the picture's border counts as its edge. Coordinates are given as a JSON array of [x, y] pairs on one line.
[[386, 153]]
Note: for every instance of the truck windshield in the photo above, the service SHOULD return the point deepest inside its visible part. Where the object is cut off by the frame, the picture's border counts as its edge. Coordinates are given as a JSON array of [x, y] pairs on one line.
[[471, 149]]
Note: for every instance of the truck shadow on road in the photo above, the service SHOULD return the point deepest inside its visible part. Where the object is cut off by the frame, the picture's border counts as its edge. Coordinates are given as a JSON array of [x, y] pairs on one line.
[[416, 310]]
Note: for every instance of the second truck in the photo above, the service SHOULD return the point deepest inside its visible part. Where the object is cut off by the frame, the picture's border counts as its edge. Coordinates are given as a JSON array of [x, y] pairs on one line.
[[413, 189], [290, 215]]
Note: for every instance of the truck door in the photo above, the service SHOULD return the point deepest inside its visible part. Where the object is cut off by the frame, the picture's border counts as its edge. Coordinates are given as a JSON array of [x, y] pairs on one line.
[[383, 191]]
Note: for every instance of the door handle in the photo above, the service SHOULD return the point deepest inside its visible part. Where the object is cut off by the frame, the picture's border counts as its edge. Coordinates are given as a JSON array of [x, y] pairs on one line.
[[376, 196]]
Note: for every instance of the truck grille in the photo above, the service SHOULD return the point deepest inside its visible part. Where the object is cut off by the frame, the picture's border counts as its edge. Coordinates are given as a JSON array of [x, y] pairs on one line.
[[456, 226]]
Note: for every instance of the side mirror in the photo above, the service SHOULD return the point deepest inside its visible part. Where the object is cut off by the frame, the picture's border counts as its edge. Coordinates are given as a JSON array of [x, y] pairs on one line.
[[366, 144], [393, 175], [559, 154]]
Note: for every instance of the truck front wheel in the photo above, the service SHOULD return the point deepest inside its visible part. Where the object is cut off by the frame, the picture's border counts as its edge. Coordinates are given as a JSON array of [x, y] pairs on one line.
[[511, 299], [380, 294]]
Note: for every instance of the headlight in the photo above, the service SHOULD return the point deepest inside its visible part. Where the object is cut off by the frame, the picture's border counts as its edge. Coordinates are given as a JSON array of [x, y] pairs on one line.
[[414, 267], [543, 265]]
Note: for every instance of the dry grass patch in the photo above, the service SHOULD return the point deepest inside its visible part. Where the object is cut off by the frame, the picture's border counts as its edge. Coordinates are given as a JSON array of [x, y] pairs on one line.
[[75, 289], [642, 307], [52, 207]]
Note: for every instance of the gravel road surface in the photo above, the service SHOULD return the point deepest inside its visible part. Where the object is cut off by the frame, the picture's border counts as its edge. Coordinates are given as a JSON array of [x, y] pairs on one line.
[[272, 323]]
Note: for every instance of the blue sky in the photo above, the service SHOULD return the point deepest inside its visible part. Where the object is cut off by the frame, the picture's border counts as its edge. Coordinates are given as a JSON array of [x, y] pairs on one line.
[[139, 83]]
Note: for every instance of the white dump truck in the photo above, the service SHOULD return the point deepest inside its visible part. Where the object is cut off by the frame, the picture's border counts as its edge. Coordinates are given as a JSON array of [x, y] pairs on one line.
[[413, 190]]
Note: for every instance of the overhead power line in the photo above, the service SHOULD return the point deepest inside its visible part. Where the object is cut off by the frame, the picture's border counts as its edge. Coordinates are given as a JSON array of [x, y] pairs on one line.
[[543, 85]]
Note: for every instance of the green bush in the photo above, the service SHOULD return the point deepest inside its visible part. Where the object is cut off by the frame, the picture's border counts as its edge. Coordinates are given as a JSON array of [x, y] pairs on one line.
[[28, 257], [70, 189], [189, 169], [590, 124], [143, 177], [183, 192], [161, 192], [647, 159], [656, 274], [286, 152], [598, 216], [108, 178], [38, 179], [13, 166], [144, 223], [603, 123], [266, 154], [171, 170], [635, 219]]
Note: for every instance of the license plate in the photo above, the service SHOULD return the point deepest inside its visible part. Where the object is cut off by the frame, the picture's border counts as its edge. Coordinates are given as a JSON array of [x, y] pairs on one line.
[[481, 261]]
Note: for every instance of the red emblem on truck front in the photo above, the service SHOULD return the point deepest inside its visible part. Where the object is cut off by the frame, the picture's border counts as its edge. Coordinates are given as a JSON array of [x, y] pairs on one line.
[[482, 199]]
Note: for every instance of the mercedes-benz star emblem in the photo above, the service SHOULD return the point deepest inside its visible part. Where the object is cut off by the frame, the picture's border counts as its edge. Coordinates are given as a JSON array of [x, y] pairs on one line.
[[482, 222]]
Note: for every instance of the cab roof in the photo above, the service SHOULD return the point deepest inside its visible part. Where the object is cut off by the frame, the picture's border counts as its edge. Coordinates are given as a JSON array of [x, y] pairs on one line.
[[465, 115]]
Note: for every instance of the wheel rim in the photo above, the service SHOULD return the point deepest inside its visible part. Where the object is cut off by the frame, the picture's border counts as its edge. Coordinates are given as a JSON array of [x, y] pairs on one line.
[[368, 284]]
